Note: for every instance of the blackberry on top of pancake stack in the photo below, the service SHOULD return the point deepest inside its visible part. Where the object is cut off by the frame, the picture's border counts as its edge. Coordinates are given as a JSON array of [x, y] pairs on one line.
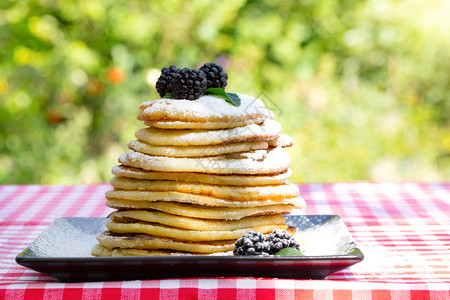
[[208, 168]]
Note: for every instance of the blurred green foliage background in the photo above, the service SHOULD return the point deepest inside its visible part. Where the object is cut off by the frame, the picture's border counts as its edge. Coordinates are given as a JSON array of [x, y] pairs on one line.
[[362, 86]]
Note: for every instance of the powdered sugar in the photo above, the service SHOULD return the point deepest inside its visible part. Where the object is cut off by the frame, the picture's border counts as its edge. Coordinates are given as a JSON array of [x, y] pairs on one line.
[[329, 238]]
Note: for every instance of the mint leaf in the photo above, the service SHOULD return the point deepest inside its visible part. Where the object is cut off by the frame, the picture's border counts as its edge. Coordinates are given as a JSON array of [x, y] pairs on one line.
[[235, 100], [289, 251], [231, 98], [169, 96]]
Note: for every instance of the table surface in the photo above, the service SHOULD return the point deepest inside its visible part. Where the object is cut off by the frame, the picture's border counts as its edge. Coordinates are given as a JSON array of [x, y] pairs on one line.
[[402, 229]]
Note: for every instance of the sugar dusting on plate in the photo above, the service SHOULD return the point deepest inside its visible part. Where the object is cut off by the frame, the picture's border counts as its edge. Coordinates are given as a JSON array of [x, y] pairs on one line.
[[330, 238], [66, 238]]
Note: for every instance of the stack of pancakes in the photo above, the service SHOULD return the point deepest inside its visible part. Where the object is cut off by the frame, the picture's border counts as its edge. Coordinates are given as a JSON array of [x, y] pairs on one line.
[[201, 175]]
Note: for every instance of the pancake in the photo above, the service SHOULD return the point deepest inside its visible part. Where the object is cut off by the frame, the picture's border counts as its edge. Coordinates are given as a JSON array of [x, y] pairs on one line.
[[249, 180], [102, 251], [112, 240], [201, 211], [275, 160], [197, 125], [112, 244], [193, 223], [187, 198], [196, 151], [283, 140], [206, 112], [158, 230], [268, 130], [242, 193]]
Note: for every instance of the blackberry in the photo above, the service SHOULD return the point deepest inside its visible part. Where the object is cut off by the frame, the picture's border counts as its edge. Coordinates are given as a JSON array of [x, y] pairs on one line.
[[217, 78], [251, 243], [280, 239], [188, 84], [163, 85]]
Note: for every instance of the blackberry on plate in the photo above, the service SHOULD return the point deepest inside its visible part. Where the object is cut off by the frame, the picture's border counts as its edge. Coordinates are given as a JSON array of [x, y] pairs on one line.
[[163, 85], [215, 75], [251, 243], [280, 239], [188, 84]]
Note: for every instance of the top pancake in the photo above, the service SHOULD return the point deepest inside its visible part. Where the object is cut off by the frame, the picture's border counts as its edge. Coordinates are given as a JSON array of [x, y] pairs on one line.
[[207, 112]]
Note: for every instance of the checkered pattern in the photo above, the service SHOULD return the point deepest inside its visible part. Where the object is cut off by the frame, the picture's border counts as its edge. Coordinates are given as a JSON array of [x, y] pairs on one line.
[[402, 228]]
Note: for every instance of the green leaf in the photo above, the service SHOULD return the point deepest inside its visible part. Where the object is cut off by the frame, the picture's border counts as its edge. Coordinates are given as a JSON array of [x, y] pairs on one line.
[[169, 96], [229, 97], [235, 100], [289, 251]]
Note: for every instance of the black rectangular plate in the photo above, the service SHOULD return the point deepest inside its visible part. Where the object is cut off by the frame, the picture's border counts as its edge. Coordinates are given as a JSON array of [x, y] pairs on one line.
[[63, 251]]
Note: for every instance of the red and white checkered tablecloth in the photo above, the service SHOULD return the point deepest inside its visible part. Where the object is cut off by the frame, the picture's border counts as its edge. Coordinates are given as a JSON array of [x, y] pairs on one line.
[[403, 229]]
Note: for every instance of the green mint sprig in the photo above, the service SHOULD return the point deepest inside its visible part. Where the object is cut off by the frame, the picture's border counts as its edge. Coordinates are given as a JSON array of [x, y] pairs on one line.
[[229, 97]]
